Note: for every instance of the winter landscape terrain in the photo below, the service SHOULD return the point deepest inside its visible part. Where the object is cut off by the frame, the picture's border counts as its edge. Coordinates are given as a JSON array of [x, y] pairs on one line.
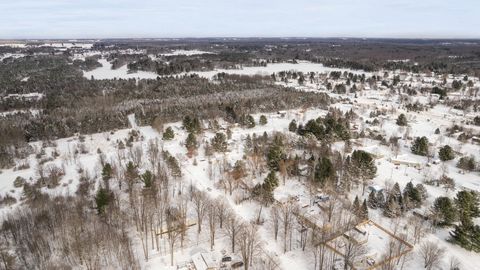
[[239, 154]]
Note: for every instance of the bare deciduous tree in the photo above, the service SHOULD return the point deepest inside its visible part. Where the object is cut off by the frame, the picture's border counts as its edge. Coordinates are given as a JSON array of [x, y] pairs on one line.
[[287, 211], [352, 252], [174, 229], [232, 226], [200, 204], [153, 154], [419, 228], [212, 215], [454, 263], [221, 206], [275, 216], [248, 243], [431, 254], [136, 154]]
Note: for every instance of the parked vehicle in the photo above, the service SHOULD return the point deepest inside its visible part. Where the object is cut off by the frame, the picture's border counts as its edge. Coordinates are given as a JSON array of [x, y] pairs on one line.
[[237, 265]]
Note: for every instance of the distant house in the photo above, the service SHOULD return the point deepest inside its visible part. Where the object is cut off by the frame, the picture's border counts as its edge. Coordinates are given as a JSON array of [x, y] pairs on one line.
[[409, 163], [403, 76], [304, 169], [282, 113], [375, 188], [435, 97]]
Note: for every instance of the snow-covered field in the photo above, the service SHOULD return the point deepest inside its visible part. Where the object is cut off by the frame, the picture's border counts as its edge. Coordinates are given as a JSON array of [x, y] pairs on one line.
[[185, 52], [106, 72], [301, 66]]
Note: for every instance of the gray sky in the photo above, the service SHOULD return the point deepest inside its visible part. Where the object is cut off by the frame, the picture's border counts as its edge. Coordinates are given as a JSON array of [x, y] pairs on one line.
[[239, 18]]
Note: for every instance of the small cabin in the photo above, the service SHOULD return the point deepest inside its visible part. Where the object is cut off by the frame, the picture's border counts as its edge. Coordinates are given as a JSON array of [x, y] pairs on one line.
[[282, 114], [375, 188]]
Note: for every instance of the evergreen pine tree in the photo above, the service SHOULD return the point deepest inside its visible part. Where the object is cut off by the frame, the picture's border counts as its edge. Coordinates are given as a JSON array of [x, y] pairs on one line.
[[147, 179], [219, 142], [324, 171], [372, 200], [265, 190], [292, 127], [263, 120], [192, 125], [401, 203], [395, 192], [466, 163], [446, 153], [191, 142], [168, 134], [107, 172], [420, 146], [249, 121], [362, 166], [402, 120], [131, 175], [275, 153], [412, 196], [364, 210], [392, 207], [408, 188], [380, 198], [356, 206], [445, 210], [102, 199], [467, 204], [466, 235], [271, 182], [248, 144], [422, 191]]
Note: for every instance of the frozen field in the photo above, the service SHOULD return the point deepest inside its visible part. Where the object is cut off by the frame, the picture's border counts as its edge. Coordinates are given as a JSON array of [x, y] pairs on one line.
[[105, 72]]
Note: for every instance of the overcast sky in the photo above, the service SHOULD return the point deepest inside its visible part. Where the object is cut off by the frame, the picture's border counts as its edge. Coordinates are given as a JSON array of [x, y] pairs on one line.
[[239, 18]]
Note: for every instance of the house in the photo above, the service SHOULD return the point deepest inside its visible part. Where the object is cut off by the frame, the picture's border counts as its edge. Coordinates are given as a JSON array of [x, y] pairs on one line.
[[282, 113], [410, 163], [375, 188], [304, 169]]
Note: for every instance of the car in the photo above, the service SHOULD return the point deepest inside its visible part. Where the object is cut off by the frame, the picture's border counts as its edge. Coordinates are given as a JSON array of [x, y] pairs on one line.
[[321, 198], [237, 265], [227, 259]]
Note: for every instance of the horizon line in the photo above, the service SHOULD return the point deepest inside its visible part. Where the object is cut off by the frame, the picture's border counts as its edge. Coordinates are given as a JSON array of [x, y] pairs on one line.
[[242, 37]]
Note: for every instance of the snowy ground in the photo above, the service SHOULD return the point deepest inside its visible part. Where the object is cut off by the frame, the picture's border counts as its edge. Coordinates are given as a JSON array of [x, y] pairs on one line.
[[185, 52], [105, 72], [420, 124]]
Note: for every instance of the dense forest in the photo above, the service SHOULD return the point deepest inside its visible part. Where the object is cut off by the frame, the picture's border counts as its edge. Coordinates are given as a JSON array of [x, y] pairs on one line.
[[71, 104]]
